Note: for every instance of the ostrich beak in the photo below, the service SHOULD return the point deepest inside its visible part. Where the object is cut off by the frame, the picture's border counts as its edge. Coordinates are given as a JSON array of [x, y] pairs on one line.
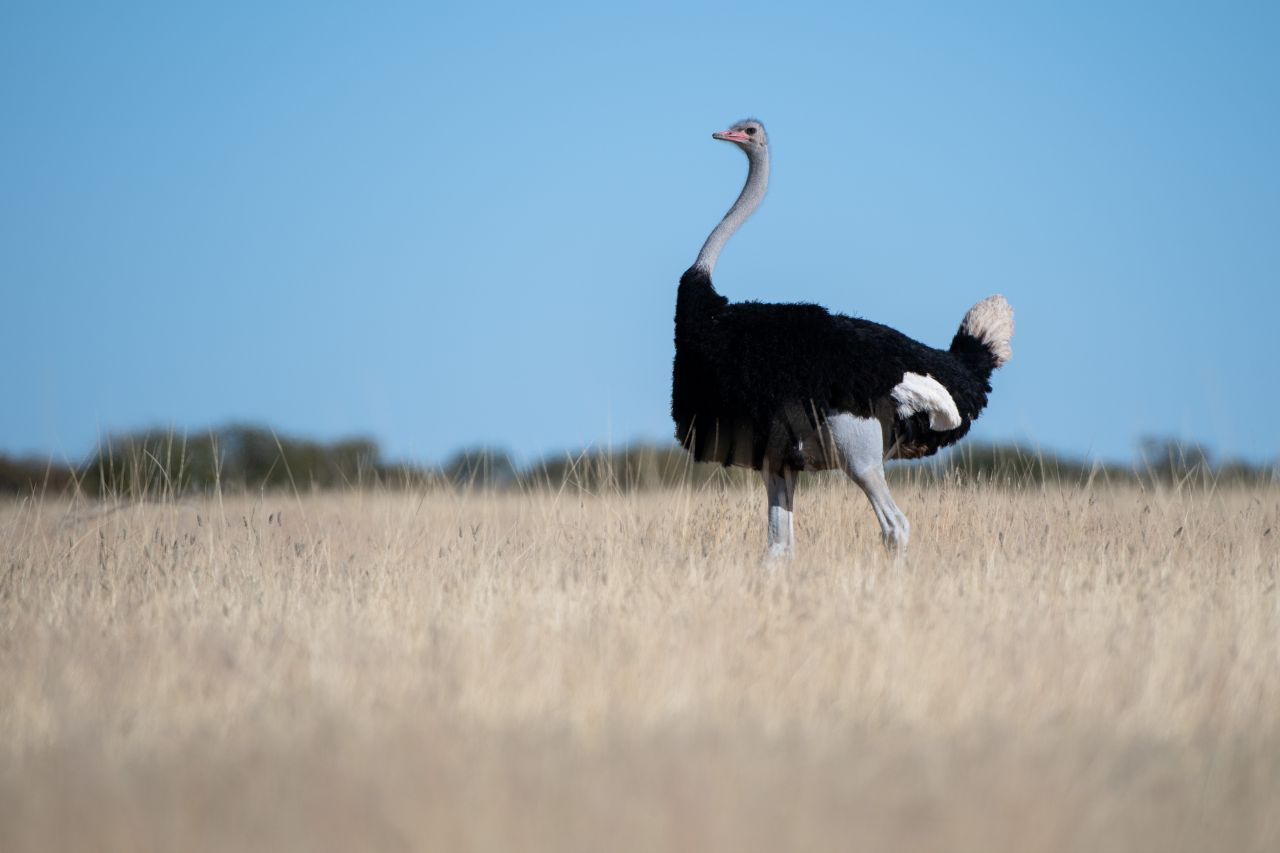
[[731, 136]]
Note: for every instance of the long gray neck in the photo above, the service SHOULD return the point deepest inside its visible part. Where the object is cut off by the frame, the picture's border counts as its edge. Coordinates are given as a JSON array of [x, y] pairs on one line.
[[748, 201]]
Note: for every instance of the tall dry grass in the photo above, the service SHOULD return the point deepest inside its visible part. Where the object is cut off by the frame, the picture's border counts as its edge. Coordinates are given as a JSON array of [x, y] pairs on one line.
[[1049, 669]]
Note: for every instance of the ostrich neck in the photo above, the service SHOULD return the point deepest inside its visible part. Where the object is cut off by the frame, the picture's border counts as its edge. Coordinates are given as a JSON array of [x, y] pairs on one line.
[[748, 201]]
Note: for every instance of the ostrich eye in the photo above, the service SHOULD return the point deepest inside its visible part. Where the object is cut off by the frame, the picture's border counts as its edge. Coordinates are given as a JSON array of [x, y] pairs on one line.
[[751, 131]]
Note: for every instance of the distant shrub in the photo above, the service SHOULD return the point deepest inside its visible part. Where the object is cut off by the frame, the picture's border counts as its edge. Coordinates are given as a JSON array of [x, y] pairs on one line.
[[481, 466], [234, 457], [32, 475]]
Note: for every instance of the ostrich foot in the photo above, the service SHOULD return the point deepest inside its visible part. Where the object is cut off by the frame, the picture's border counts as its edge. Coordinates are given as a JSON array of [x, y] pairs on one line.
[[778, 554]]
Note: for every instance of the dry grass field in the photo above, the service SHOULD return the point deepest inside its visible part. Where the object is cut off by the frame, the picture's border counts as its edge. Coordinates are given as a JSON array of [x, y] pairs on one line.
[[1049, 669]]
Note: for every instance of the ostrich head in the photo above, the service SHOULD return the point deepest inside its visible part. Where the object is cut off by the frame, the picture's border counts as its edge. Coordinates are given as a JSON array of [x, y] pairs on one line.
[[748, 135]]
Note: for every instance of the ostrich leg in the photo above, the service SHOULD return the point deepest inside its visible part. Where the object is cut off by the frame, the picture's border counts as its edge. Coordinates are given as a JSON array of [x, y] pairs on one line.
[[861, 445], [781, 486]]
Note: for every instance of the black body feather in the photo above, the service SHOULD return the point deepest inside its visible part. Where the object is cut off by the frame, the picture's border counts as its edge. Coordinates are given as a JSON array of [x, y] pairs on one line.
[[753, 380]]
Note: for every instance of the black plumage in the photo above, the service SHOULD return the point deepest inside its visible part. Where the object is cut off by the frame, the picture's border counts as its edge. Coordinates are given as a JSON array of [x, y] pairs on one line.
[[753, 380]]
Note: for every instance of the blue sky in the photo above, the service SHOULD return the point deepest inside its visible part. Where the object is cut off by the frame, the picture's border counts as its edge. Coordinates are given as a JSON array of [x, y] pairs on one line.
[[451, 225]]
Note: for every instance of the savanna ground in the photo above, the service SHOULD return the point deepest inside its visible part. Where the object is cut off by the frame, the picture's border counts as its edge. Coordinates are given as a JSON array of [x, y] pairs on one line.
[[1058, 668]]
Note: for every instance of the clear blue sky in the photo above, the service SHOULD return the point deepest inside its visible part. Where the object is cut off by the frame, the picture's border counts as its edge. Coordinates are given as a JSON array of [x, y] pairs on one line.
[[445, 226]]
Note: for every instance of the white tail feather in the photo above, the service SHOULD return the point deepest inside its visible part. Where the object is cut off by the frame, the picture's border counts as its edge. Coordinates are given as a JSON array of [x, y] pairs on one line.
[[991, 321]]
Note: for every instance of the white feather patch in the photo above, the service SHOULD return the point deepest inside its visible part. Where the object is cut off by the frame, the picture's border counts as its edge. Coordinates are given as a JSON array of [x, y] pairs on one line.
[[991, 321], [916, 393]]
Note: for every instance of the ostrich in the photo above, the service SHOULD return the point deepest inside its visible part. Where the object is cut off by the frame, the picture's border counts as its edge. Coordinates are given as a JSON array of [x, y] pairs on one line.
[[785, 388]]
